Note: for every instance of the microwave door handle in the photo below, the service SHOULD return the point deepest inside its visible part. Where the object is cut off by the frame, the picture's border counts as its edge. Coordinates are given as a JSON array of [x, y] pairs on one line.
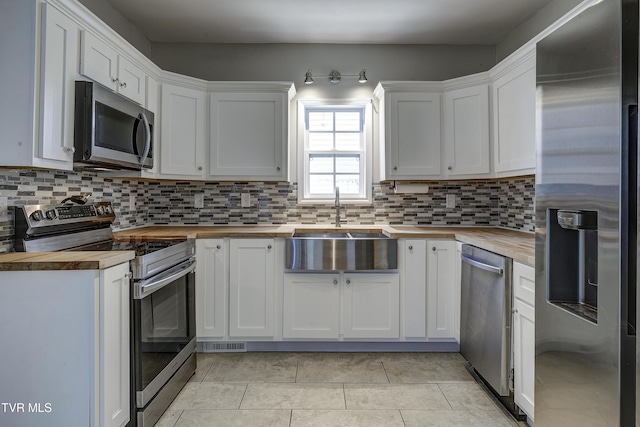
[[147, 138]]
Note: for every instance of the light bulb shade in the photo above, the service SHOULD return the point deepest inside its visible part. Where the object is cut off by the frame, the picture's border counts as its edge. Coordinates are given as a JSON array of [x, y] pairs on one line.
[[335, 77], [308, 79], [362, 77]]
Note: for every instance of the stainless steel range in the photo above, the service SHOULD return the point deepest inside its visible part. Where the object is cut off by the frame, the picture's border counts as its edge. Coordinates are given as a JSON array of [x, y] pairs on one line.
[[163, 341]]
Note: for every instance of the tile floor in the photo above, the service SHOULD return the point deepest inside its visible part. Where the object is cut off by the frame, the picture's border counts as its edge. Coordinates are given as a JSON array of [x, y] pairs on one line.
[[333, 389]]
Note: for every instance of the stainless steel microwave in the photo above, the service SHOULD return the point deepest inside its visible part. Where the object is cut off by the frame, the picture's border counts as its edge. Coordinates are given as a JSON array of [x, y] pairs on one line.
[[111, 131]]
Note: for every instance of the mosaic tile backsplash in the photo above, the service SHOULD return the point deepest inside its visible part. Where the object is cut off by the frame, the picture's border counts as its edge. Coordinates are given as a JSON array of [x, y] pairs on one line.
[[507, 203]]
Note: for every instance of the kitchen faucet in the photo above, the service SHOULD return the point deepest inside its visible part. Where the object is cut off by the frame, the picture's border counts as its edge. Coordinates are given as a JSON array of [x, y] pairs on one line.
[[338, 219]]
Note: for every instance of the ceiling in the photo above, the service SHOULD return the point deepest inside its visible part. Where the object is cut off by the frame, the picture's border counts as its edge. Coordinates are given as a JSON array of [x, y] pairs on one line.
[[328, 21]]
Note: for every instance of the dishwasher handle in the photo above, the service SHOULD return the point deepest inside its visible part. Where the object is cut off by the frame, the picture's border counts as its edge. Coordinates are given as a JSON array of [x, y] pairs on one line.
[[490, 268]]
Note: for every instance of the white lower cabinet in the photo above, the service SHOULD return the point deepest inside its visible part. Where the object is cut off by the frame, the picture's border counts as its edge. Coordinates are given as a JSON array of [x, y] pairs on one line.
[[211, 288], [311, 306], [72, 364], [251, 288], [441, 288], [524, 337], [348, 305], [413, 265]]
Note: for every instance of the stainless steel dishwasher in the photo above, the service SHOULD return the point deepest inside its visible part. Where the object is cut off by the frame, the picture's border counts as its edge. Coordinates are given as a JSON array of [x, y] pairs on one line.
[[485, 319]]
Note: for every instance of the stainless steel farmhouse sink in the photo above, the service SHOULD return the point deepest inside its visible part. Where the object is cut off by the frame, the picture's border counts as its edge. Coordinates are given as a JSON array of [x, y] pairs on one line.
[[340, 251]]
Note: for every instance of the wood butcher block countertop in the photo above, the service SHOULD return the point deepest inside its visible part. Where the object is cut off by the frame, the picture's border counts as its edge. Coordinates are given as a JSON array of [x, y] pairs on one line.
[[89, 260], [518, 245]]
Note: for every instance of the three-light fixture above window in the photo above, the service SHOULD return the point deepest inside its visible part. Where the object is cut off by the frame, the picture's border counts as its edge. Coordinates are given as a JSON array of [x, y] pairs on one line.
[[335, 77]]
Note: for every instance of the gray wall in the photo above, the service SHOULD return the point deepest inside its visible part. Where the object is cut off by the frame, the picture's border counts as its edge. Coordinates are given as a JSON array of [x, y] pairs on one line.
[[289, 62], [533, 26], [119, 23]]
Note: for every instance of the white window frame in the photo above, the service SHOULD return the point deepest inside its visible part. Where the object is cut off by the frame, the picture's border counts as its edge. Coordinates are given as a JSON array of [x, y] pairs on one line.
[[366, 161]]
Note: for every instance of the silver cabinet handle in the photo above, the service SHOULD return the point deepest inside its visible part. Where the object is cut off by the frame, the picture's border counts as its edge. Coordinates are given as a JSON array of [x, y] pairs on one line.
[[268, 246], [514, 311], [335, 281], [69, 149], [395, 168], [199, 168], [433, 249], [113, 80], [278, 168], [410, 247], [218, 247], [486, 267], [128, 275], [450, 168], [123, 84], [348, 282]]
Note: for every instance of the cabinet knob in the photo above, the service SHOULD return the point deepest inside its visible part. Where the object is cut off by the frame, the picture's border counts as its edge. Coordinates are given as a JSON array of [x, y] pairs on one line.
[[450, 168], [218, 247], [277, 168], [395, 168], [199, 168], [128, 275], [69, 149], [410, 247], [124, 84], [433, 249], [113, 80], [268, 246], [514, 311], [348, 282], [335, 281]]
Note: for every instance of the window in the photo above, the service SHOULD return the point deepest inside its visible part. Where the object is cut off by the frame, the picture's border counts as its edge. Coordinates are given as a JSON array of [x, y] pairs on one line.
[[335, 153]]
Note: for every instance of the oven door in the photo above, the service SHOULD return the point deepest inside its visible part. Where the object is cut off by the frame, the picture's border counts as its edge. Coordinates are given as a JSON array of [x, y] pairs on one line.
[[163, 328]]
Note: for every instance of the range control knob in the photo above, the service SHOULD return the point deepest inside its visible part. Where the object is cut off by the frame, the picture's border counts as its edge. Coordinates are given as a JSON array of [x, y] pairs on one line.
[[52, 214], [37, 215], [100, 210], [108, 210]]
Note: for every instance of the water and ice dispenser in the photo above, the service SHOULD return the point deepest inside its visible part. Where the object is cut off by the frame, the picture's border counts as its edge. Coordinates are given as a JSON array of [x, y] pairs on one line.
[[572, 261]]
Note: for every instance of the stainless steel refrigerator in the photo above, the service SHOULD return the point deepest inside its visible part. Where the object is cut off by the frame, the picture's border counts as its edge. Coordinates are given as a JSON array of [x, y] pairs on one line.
[[586, 220]]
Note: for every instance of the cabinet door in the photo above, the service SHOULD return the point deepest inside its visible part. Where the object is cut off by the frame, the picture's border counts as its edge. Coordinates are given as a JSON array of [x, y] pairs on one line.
[[248, 135], [114, 346], [440, 288], [183, 129], [524, 356], [251, 287], [466, 131], [414, 279], [413, 135], [131, 81], [211, 288], [311, 306], [524, 283], [514, 117], [98, 61], [60, 39], [371, 305]]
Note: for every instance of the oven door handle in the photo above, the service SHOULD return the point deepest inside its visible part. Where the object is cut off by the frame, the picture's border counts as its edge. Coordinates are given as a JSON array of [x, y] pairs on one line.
[[145, 288]]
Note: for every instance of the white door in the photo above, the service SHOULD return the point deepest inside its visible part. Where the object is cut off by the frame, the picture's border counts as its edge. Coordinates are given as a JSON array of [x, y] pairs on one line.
[[211, 288], [248, 134], [413, 135], [466, 131], [524, 356], [371, 305], [183, 130], [514, 119], [132, 81], [59, 71], [114, 346], [251, 287], [98, 61], [440, 288], [414, 279], [311, 306]]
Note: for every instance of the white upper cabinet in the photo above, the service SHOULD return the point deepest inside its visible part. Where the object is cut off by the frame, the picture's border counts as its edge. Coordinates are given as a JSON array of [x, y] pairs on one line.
[[183, 130], [466, 132], [104, 65], [249, 130], [514, 117], [39, 67], [410, 130]]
